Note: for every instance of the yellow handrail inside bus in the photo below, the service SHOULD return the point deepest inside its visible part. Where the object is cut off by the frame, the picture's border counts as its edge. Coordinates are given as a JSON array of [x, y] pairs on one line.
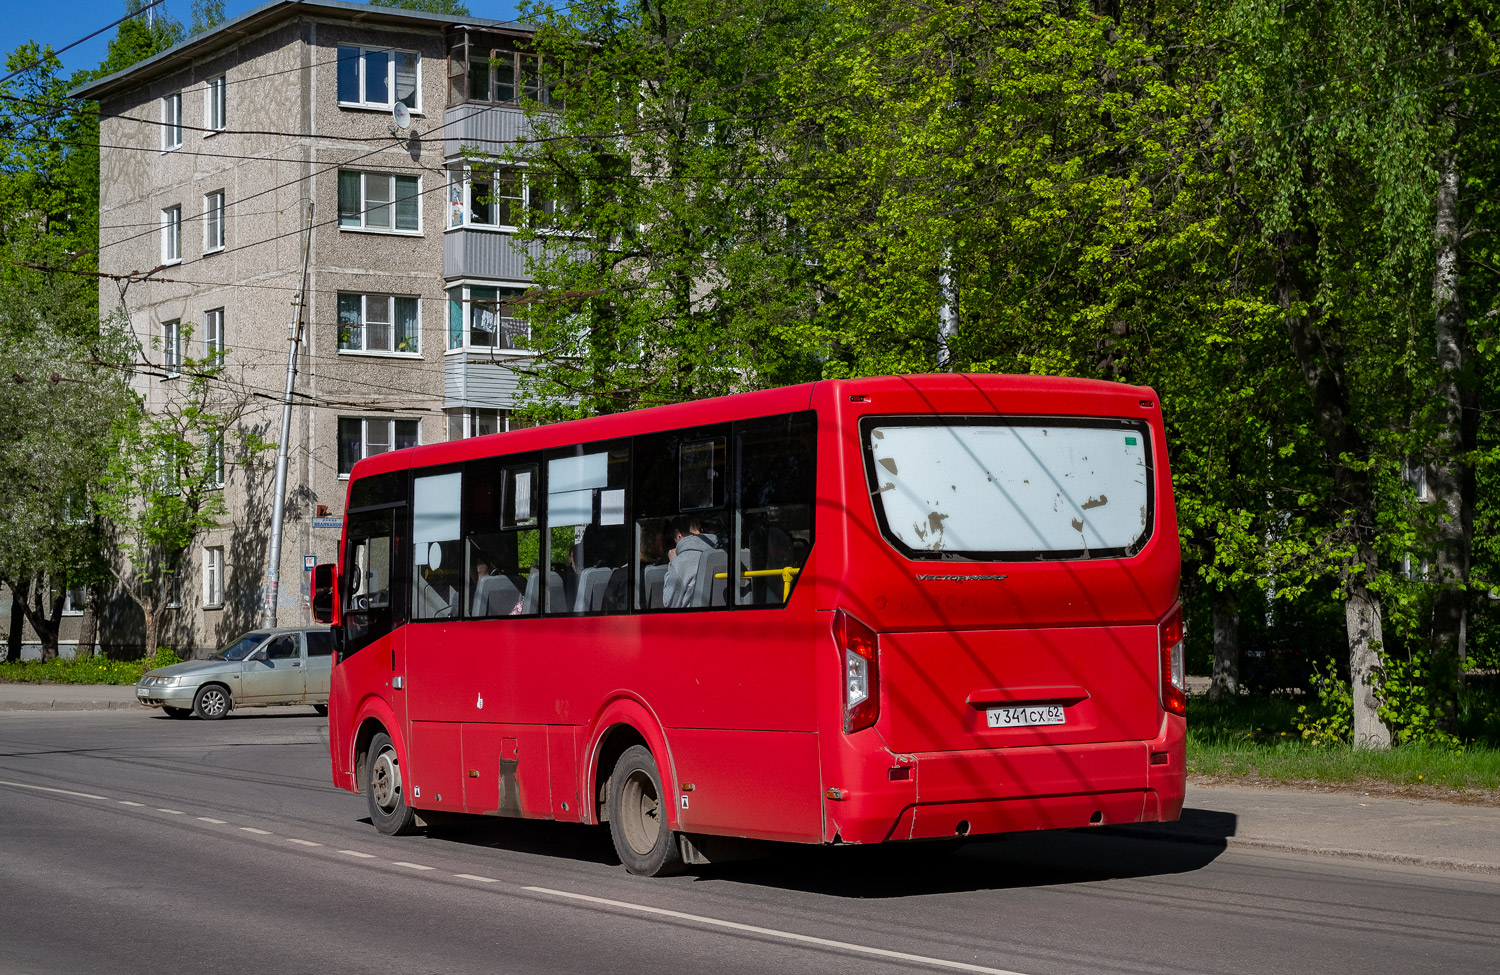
[[786, 572]]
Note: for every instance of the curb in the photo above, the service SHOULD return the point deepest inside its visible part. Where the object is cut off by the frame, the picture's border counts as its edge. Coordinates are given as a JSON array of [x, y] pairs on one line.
[[1276, 846], [66, 705]]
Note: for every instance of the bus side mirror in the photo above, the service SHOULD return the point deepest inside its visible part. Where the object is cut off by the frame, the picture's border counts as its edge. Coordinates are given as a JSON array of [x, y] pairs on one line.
[[322, 592]]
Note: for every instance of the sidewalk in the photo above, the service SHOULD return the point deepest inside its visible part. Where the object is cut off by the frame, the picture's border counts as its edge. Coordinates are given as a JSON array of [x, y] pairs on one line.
[[1417, 832]]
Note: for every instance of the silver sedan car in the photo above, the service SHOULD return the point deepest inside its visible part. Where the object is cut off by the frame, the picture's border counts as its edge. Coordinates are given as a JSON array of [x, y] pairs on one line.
[[261, 668]]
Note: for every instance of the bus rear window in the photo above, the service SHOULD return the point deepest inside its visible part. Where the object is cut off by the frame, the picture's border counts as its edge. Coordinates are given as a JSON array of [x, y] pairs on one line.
[[1009, 488]]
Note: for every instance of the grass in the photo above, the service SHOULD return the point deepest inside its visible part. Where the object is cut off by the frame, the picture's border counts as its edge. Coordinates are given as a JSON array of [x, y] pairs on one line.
[[83, 670], [1257, 737]]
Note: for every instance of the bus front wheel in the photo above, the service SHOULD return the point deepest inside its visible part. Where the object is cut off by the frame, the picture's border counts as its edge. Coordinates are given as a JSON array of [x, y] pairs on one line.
[[638, 816], [384, 792]]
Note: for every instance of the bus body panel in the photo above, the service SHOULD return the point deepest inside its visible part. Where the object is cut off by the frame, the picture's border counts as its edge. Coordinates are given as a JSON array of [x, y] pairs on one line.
[[743, 708]]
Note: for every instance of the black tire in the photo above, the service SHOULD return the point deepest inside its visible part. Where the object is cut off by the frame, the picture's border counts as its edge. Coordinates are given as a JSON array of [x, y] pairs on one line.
[[384, 793], [322, 710], [212, 702], [178, 712], [638, 816]]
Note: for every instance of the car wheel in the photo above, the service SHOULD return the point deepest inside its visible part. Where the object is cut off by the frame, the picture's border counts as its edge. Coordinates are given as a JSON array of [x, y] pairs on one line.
[[322, 709], [638, 816], [178, 712], [212, 702], [384, 792]]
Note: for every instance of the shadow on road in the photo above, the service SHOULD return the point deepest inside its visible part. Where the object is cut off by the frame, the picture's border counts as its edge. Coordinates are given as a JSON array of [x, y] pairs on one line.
[[900, 870]]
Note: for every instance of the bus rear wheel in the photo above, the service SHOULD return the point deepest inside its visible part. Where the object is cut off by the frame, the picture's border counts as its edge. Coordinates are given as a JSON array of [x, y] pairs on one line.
[[638, 816], [384, 793]]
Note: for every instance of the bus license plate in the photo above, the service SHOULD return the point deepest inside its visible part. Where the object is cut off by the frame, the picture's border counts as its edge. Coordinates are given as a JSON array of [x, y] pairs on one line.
[[1026, 717]]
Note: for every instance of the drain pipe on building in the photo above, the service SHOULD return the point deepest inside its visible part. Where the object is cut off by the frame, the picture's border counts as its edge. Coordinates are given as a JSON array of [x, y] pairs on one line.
[[278, 504]]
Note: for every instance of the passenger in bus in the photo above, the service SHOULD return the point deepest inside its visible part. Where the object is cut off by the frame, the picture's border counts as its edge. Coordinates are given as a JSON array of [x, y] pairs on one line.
[[692, 546]]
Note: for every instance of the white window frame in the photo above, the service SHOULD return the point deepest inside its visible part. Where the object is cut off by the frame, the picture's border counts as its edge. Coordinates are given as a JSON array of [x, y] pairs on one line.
[[467, 286], [171, 349], [466, 420], [364, 436], [364, 204], [213, 222], [215, 106], [171, 122], [171, 235], [460, 205], [390, 78], [365, 320], [71, 606], [213, 336], [213, 461], [213, 577]]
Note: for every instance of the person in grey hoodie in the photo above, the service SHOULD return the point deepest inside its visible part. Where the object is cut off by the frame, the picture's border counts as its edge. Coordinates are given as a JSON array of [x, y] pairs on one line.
[[693, 545]]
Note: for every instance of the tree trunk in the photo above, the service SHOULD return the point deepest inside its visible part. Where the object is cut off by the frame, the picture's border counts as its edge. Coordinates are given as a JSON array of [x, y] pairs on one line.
[[1363, 623], [88, 634], [1319, 354], [44, 616], [153, 630], [1449, 474], [18, 594], [1226, 679]]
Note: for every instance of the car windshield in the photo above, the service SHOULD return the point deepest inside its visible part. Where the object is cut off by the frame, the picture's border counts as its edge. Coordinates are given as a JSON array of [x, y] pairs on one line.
[[241, 648]]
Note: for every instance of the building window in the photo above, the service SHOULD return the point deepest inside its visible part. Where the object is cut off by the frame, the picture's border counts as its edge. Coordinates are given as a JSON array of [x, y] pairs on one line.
[[213, 461], [213, 578], [171, 235], [504, 77], [360, 438], [213, 337], [379, 201], [505, 197], [369, 77], [481, 316], [171, 122], [214, 105], [380, 323], [75, 600], [463, 424], [171, 349], [213, 221]]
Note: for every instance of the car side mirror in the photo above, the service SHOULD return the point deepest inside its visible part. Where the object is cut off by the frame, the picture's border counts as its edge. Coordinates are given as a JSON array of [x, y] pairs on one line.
[[322, 592], [258, 655]]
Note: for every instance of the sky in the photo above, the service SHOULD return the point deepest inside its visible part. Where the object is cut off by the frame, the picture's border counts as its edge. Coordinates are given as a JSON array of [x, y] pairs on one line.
[[69, 20]]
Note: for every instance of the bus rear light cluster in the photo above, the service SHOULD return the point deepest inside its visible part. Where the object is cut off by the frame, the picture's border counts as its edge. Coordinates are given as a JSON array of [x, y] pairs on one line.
[[859, 654], [1173, 674]]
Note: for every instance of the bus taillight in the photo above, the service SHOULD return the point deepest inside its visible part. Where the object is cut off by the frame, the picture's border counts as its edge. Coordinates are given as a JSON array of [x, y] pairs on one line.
[[859, 650], [1173, 679]]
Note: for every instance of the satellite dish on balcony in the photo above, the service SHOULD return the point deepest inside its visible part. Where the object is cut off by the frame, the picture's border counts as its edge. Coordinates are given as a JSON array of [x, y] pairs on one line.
[[400, 118]]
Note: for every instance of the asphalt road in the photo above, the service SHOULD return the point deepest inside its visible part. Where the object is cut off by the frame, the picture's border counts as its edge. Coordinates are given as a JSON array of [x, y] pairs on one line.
[[134, 843]]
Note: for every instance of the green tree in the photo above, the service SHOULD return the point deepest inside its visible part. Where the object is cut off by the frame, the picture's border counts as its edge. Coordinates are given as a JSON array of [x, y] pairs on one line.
[[453, 7]]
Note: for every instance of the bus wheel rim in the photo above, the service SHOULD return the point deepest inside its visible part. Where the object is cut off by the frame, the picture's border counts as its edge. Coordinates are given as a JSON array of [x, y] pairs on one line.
[[385, 780], [642, 812]]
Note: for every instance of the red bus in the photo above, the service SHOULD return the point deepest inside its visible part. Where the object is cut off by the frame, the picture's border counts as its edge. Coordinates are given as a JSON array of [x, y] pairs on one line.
[[846, 612]]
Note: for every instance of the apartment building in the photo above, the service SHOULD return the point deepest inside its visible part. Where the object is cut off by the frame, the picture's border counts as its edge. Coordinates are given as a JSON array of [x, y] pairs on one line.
[[211, 153]]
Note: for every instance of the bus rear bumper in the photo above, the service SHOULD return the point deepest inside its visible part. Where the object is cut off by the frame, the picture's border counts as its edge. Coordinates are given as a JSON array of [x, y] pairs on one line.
[[978, 792]]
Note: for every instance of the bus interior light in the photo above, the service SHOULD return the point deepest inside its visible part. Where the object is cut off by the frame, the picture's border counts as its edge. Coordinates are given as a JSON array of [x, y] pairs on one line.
[[1173, 678], [859, 652]]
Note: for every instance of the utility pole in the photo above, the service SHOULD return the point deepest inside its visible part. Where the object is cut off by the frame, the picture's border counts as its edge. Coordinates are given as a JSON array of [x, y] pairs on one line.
[[278, 509]]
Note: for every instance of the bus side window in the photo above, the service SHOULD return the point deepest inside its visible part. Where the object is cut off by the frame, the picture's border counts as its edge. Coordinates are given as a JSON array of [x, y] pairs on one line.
[[502, 540], [367, 579], [437, 575], [588, 539], [681, 538], [776, 473]]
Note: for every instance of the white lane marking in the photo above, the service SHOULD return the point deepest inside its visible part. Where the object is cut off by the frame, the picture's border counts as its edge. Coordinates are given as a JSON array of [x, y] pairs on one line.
[[127, 802], [59, 792], [173, 812], [257, 832], [773, 933], [356, 853], [414, 866], [210, 819], [474, 876], [292, 839]]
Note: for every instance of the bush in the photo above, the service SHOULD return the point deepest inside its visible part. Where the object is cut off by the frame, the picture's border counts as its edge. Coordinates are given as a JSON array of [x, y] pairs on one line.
[[1332, 721], [84, 670]]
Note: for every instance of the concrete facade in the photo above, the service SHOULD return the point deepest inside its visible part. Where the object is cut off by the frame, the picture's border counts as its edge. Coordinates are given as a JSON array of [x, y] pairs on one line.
[[285, 140]]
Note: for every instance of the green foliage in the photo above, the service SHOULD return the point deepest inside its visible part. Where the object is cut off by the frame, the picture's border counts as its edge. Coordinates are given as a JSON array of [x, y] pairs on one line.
[[1332, 722], [84, 670], [1408, 703], [454, 7]]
